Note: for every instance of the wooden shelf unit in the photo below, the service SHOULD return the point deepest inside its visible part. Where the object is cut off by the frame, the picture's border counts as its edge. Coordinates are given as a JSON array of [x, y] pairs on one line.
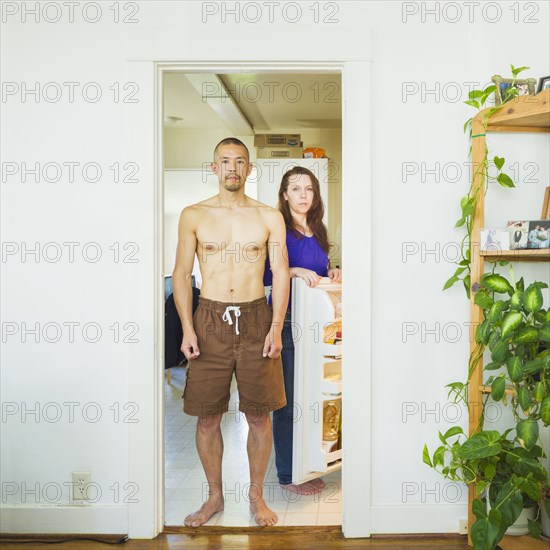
[[522, 114], [532, 255]]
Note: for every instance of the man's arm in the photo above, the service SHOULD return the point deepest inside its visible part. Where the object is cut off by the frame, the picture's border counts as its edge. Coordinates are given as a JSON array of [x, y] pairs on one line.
[[182, 281], [278, 258]]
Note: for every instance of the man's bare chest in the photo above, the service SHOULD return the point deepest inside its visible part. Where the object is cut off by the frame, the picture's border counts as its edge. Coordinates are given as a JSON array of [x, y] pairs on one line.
[[232, 239]]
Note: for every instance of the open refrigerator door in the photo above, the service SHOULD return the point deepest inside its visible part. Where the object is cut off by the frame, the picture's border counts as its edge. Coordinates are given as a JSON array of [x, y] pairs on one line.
[[317, 326]]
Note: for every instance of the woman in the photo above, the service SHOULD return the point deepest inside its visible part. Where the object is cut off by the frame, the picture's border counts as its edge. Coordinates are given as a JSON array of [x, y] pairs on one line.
[[307, 243]]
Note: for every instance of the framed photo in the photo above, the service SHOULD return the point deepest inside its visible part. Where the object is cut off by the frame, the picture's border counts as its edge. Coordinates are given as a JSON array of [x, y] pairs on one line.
[[518, 231], [546, 205], [539, 234], [544, 84], [523, 87], [495, 239]]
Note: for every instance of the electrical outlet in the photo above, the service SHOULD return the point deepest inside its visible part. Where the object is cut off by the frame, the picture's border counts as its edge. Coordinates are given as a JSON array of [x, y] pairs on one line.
[[81, 483], [462, 526]]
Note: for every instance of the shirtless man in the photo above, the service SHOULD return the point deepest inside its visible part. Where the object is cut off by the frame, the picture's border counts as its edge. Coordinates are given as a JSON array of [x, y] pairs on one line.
[[233, 328]]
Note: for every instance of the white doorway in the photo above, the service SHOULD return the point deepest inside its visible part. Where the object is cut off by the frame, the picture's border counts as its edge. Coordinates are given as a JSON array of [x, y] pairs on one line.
[[348, 52], [199, 110]]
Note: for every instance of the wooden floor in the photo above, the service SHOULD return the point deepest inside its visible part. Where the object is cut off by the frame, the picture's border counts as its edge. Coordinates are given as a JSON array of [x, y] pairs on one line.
[[298, 538]]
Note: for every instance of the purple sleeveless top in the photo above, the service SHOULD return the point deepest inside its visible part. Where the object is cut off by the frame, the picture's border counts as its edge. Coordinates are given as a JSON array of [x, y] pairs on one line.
[[302, 252]]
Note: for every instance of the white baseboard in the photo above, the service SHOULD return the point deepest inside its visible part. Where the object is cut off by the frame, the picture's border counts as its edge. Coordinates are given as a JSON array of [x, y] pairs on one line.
[[96, 519], [417, 518]]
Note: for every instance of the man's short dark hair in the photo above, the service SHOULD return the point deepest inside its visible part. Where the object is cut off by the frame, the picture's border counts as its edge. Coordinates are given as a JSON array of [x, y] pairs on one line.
[[231, 141]]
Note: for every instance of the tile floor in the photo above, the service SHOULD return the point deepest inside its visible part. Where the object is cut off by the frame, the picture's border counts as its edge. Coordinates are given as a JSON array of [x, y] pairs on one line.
[[185, 480]]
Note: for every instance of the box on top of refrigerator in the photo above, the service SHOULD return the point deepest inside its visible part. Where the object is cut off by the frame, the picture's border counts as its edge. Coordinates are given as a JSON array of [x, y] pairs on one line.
[[277, 140], [279, 152]]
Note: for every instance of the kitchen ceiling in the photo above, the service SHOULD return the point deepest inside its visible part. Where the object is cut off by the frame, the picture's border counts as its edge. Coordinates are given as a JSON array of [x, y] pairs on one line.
[[264, 102]]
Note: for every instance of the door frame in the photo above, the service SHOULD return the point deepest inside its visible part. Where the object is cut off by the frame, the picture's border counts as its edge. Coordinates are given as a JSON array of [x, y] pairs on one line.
[[146, 517]]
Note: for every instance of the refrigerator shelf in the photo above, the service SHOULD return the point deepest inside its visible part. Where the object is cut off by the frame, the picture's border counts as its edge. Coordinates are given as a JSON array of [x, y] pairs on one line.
[[321, 461], [333, 388], [332, 350], [334, 456]]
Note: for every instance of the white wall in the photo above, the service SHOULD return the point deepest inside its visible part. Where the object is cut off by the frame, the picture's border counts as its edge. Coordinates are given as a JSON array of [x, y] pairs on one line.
[[417, 129], [36, 450]]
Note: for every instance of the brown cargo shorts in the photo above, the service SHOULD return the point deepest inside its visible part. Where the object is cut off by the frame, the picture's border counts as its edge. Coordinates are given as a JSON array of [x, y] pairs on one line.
[[231, 338]]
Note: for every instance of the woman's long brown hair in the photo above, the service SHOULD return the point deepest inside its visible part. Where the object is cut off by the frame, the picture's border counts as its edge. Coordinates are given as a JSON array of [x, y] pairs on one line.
[[315, 213]]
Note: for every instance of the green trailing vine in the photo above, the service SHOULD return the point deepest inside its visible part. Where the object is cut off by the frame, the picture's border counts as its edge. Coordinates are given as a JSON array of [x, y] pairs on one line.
[[478, 99]]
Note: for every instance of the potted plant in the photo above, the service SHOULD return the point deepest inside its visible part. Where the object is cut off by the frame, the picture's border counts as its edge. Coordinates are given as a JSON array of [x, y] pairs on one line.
[[506, 467], [516, 331], [505, 474]]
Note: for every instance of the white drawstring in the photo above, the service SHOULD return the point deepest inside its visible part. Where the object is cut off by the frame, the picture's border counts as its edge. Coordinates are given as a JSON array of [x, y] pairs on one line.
[[227, 316]]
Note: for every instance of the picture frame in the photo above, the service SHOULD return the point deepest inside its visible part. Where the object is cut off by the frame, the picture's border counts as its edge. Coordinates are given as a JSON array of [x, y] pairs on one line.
[[544, 84], [494, 239], [539, 234], [518, 231], [524, 86], [545, 214]]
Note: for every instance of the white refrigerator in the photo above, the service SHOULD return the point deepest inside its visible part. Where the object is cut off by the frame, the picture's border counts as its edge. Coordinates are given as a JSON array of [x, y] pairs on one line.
[[317, 331]]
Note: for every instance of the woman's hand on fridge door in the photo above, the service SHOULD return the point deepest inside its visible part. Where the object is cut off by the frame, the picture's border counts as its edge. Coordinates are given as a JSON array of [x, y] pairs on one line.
[[309, 276], [335, 275]]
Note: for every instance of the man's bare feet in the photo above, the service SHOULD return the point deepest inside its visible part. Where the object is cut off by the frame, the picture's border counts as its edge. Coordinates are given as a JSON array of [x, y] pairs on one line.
[[204, 513], [308, 488], [263, 516]]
